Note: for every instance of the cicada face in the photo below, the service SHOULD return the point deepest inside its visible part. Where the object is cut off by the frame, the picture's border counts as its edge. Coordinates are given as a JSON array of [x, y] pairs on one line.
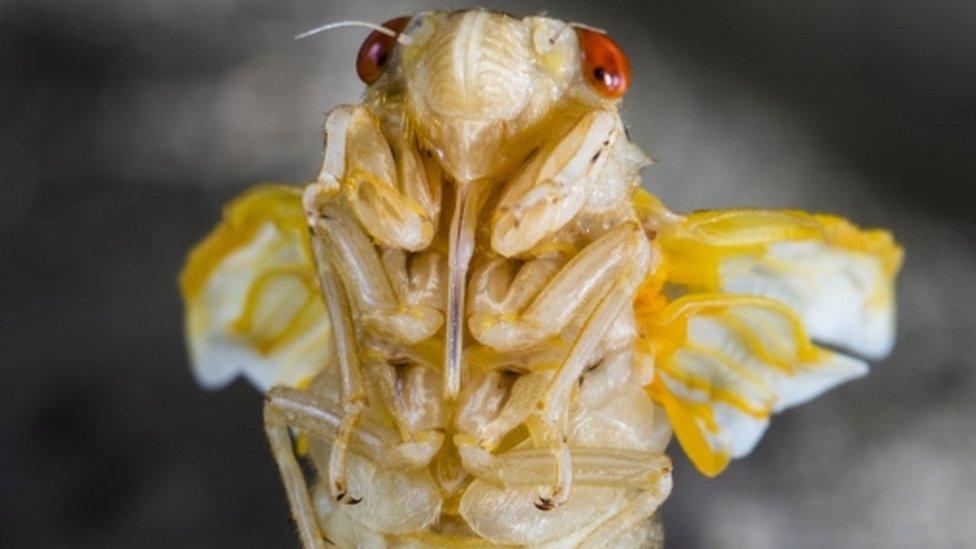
[[477, 87]]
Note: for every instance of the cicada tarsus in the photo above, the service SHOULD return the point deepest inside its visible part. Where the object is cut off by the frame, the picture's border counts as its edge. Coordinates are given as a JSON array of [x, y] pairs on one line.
[[475, 327]]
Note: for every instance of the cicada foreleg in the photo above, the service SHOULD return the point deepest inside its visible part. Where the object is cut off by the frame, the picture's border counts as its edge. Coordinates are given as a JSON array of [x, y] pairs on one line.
[[553, 186], [393, 297], [393, 191]]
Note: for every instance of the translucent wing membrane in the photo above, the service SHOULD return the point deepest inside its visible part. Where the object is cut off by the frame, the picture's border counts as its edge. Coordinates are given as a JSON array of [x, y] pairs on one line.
[[725, 363], [754, 287], [839, 279], [253, 305]]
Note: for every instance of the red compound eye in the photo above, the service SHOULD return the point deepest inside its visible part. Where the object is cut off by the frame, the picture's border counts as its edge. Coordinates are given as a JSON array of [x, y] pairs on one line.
[[604, 63], [376, 50]]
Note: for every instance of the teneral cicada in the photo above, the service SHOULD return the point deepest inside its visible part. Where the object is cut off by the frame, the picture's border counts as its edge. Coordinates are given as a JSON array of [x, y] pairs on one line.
[[474, 327]]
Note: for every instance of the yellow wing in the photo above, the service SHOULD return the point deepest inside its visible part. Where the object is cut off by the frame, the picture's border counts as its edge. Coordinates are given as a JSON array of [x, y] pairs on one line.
[[730, 314], [251, 297]]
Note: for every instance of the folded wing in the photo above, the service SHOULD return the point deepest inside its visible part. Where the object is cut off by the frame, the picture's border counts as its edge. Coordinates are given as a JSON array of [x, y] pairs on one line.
[[726, 363], [731, 312], [252, 301]]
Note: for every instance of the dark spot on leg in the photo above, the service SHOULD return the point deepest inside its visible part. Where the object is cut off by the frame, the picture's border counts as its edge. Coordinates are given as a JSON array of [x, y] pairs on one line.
[[544, 504]]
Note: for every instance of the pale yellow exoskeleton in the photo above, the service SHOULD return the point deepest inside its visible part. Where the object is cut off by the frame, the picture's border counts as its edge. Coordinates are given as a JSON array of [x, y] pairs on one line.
[[480, 330]]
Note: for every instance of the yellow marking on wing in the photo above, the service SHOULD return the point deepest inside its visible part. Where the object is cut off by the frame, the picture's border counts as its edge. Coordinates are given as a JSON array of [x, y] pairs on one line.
[[245, 323], [876, 242], [695, 248], [718, 394], [242, 218], [251, 293], [688, 420], [741, 384]]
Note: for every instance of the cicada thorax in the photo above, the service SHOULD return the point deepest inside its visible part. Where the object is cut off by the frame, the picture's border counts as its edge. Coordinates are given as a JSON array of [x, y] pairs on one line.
[[548, 408]]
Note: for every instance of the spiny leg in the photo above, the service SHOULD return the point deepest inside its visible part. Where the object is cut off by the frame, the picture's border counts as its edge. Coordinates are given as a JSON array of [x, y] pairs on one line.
[[549, 417], [358, 283], [591, 346], [605, 273]]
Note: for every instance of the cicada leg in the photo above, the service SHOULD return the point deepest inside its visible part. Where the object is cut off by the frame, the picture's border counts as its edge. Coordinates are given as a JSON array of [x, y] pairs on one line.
[[285, 408], [356, 283], [593, 466], [393, 192], [412, 395], [510, 321], [394, 301], [592, 290], [549, 416], [480, 421], [648, 472], [353, 394], [552, 187], [322, 417]]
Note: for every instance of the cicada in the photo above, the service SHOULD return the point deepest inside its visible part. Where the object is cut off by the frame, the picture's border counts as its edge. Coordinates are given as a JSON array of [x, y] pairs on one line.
[[474, 327]]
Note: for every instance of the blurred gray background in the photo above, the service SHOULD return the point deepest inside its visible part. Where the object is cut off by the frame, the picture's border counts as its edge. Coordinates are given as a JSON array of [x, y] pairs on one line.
[[126, 125]]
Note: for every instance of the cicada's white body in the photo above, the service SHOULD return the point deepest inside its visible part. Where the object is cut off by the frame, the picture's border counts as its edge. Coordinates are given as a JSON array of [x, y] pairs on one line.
[[495, 353]]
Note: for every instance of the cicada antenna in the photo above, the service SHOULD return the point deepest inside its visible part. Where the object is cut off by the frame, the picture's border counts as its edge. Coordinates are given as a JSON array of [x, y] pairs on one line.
[[576, 25], [400, 37]]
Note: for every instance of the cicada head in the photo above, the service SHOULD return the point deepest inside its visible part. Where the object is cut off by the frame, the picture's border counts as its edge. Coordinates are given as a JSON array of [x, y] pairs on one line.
[[480, 89]]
